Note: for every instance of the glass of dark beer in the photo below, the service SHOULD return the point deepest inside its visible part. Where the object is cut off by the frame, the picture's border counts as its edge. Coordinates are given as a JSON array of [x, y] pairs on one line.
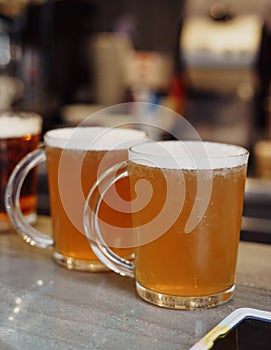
[[19, 135]]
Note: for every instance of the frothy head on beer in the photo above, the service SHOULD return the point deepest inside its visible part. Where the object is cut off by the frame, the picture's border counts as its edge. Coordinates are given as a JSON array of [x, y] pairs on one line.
[[14, 124], [188, 155], [93, 138]]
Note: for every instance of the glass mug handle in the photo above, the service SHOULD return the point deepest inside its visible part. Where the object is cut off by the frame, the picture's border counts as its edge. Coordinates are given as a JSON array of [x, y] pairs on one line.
[[12, 200], [92, 229]]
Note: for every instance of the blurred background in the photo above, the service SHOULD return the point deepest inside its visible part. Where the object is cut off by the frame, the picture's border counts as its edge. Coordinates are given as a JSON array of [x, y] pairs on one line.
[[209, 61]]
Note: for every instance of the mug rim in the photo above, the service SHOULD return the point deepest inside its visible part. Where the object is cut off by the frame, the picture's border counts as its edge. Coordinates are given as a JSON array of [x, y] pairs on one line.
[[189, 155], [16, 124], [98, 138]]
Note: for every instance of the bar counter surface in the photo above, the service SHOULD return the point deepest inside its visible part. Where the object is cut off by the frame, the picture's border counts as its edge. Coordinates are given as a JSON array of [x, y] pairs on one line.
[[44, 306]]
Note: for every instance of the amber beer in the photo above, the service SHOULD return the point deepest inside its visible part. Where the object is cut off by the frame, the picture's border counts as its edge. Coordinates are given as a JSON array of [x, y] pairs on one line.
[[201, 262], [73, 162], [19, 135]]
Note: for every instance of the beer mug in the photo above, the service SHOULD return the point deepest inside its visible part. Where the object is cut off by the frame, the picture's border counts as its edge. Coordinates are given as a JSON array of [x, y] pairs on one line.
[[19, 135], [186, 204], [74, 158]]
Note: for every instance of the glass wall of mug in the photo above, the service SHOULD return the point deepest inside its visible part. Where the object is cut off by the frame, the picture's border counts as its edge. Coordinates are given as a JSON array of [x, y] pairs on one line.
[[186, 201], [75, 157], [19, 134]]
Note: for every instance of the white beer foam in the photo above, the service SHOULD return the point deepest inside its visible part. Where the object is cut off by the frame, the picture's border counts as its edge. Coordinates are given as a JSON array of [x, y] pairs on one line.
[[188, 155], [12, 125], [93, 138]]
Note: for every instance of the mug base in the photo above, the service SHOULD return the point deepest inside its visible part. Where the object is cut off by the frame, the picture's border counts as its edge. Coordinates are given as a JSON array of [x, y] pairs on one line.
[[79, 265], [184, 302]]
